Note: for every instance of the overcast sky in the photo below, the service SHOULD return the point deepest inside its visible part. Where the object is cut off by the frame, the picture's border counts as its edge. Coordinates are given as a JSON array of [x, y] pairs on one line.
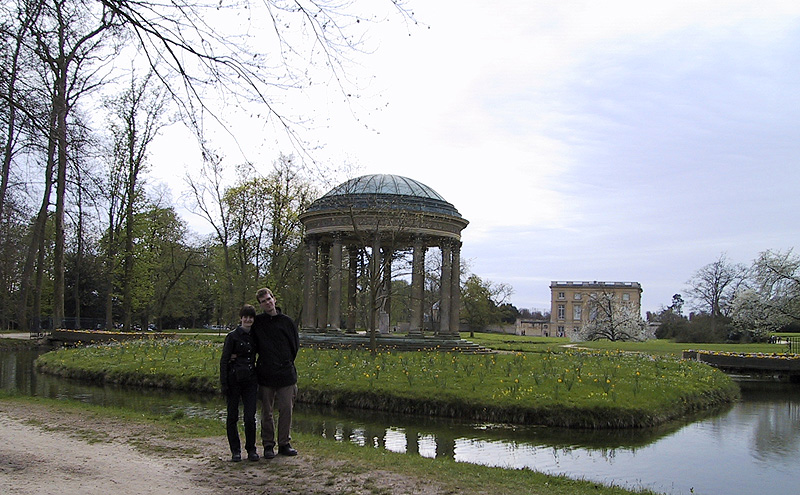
[[583, 140]]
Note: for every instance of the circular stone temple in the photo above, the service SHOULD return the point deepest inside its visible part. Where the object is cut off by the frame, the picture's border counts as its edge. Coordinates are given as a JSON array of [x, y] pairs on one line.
[[378, 216]]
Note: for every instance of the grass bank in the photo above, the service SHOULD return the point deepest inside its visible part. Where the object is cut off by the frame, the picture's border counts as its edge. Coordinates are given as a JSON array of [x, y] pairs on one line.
[[334, 459], [572, 388], [657, 347], [6, 343]]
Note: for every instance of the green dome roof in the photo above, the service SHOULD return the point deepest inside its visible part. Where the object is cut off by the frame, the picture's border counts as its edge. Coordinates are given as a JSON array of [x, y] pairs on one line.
[[386, 192]]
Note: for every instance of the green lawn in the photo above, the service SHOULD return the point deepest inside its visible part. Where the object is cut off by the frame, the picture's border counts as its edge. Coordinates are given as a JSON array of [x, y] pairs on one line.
[[656, 347], [561, 386]]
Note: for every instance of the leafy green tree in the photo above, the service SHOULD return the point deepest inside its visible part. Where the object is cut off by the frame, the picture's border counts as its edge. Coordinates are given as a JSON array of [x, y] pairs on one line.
[[245, 204], [401, 293], [137, 116], [508, 313], [256, 230], [477, 307], [170, 259], [480, 300], [13, 229], [288, 192], [677, 305], [534, 314]]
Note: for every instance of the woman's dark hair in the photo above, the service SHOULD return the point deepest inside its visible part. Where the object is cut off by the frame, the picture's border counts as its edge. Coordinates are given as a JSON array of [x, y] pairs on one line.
[[247, 310]]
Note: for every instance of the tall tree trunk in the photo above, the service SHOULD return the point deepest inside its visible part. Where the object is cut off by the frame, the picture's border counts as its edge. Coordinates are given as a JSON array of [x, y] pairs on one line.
[[127, 282], [76, 290], [134, 165], [37, 240], [110, 257], [60, 106]]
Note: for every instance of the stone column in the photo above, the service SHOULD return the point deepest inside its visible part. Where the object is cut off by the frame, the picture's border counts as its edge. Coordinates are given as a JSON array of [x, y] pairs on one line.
[[335, 302], [322, 286], [455, 290], [417, 286], [387, 283], [310, 285], [445, 286], [375, 282], [352, 281]]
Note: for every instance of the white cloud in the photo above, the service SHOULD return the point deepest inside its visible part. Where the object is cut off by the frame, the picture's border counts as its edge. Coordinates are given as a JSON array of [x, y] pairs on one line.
[[623, 140]]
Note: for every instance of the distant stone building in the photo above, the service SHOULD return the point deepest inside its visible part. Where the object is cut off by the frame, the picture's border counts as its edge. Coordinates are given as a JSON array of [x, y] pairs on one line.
[[569, 302], [532, 327]]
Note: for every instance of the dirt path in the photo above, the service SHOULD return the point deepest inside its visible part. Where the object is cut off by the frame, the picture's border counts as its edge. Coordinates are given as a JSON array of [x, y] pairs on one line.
[[47, 451]]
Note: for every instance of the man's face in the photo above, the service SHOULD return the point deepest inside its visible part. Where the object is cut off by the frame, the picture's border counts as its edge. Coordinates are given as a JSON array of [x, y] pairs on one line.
[[267, 303]]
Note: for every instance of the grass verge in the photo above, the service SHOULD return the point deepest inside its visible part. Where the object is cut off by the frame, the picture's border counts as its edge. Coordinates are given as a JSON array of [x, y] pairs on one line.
[[656, 347]]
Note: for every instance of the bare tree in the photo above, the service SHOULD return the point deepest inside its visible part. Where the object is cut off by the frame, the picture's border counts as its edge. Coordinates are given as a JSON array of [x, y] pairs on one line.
[[198, 50], [713, 286], [60, 50], [12, 61], [208, 195], [68, 39]]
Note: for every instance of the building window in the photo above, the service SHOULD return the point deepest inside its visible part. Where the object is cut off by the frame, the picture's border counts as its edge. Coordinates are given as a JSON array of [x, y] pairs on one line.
[[626, 296], [560, 331], [561, 295], [562, 312], [577, 296], [576, 312]]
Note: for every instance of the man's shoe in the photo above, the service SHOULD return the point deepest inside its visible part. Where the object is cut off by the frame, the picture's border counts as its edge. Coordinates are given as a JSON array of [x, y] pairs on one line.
[[269, 453], [236, 457], [286, 450], [252, 455]]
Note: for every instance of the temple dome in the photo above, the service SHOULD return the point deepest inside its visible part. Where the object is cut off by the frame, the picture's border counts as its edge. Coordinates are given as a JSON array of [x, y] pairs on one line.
[[384, 191]]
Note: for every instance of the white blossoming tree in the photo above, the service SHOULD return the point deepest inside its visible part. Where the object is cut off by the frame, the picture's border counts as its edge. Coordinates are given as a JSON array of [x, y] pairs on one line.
[[771, 299], [614, 319]]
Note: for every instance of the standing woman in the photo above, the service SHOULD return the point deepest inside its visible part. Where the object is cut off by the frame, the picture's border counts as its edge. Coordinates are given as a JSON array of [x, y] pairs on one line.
[[237, 373]]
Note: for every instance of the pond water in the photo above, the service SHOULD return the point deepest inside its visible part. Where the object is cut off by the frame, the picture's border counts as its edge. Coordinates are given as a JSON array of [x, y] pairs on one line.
[[749, 447]]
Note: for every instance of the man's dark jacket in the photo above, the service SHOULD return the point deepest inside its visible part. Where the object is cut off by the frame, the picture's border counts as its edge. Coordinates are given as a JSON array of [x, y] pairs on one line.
[[277, 342]]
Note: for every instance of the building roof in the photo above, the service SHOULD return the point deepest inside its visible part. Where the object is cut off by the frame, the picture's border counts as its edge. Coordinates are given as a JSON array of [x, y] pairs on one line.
[[384, 191], [595, 284]]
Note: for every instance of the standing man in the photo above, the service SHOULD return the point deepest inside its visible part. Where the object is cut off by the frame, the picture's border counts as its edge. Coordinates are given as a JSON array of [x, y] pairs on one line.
[[277, 342]]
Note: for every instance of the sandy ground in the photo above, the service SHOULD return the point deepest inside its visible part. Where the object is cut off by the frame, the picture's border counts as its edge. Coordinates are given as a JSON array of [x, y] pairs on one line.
[[44, 450]]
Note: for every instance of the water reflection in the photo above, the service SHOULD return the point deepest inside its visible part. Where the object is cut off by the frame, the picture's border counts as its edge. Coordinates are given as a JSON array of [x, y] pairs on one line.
[[17, 375], [436, 437], [745, 448], [749, 447]]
